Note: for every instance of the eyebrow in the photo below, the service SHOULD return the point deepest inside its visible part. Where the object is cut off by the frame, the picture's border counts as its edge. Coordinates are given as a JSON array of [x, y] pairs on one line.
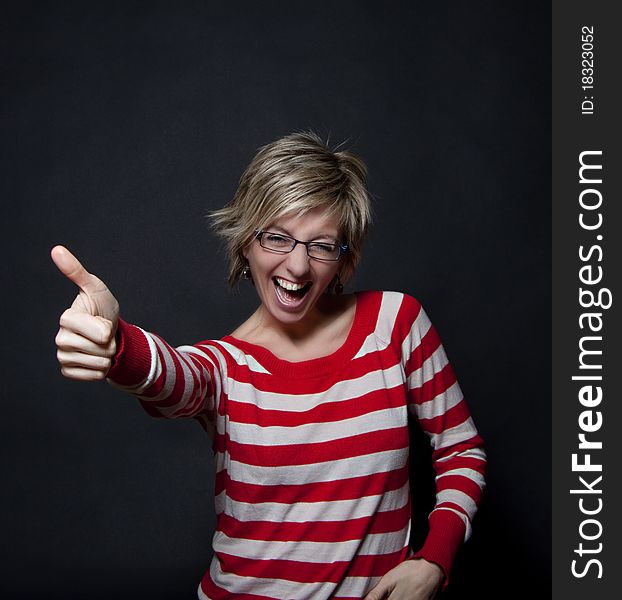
[[315, 237]]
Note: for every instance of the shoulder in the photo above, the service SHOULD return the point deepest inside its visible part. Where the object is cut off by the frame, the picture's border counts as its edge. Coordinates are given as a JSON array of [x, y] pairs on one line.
[[391, 302], [395, 313]]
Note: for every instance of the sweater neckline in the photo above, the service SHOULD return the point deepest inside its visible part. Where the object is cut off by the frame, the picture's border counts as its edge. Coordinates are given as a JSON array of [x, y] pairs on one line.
[[362, 326]]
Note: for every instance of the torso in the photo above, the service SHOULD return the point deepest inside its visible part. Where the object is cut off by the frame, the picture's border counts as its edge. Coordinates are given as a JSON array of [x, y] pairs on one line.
[[306, 441], [333, 323]]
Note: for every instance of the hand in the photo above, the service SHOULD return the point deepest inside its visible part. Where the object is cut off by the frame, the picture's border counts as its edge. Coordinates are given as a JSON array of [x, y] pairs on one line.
[[86, 338], [415, 579]]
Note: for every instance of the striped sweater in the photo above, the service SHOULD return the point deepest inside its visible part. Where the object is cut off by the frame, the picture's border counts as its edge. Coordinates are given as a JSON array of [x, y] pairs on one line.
[[312, 491]]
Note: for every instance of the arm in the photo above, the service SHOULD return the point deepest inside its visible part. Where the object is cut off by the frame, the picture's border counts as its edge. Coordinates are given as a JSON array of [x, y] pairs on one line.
[[169, 382], [459, 461], [435, 400], [93, 343]]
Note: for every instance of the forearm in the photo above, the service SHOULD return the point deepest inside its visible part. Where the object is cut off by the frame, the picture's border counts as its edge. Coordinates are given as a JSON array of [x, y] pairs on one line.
[[169, 382], [459, 487]]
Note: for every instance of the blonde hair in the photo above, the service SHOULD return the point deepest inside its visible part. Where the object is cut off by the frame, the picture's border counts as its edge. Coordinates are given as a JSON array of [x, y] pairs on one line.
[[292, 176]]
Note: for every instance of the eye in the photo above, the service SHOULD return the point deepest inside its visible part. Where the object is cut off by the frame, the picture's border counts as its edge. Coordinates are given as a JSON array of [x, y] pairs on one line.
[[275, 239], [324, 248]]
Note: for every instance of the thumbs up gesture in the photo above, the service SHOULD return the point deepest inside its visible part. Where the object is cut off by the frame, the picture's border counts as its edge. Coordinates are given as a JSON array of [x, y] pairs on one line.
[[86, 338]]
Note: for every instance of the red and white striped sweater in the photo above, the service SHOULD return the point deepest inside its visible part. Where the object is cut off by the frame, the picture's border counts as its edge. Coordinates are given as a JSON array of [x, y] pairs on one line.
[[312, 491]]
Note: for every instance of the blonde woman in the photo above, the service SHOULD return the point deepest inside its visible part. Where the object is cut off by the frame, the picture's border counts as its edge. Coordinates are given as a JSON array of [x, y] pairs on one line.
[[308, 400]]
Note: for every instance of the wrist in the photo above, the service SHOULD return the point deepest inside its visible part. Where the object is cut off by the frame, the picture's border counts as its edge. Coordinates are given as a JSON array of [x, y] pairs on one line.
[[430, 567]]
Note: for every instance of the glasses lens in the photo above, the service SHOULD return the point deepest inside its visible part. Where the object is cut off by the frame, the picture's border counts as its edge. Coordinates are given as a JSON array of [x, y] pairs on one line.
[[277, 242], [324, 251]]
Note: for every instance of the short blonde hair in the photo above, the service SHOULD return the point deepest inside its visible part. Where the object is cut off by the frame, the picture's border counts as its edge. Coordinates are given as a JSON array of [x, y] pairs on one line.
[[292, 176]]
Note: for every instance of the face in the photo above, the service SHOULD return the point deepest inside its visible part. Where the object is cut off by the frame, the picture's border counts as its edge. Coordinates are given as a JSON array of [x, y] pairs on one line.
[[273, 273]]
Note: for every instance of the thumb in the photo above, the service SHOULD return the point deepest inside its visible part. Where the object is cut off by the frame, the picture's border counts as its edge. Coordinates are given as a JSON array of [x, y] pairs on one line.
[[71, 267], [94, 297]]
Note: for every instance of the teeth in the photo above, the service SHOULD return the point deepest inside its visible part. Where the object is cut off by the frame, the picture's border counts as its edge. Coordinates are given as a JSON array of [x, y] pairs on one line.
[[288, 285]]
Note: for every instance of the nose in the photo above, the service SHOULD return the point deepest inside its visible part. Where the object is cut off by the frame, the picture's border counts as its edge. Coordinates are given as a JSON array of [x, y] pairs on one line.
[[298, 261]]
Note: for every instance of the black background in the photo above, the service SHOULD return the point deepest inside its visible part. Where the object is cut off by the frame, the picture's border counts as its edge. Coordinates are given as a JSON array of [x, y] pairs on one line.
[[123, 124]]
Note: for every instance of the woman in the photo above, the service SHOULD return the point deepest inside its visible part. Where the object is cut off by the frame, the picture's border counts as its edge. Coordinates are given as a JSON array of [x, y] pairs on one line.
[[308, 400]]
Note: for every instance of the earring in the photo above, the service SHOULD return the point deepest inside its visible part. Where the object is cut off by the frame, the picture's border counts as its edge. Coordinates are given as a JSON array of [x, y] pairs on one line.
[[338, 285], [246, 272]]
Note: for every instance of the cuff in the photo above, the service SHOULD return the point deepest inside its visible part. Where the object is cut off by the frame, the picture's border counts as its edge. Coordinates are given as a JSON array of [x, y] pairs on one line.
[[132, 362], [444, 538]]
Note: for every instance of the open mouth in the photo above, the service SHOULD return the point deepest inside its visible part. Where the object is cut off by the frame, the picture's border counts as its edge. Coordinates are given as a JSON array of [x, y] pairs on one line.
[[290, 293]]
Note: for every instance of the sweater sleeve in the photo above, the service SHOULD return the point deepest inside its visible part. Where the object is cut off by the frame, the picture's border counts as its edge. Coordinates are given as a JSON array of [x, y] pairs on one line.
[[458, 456], [169, 382]]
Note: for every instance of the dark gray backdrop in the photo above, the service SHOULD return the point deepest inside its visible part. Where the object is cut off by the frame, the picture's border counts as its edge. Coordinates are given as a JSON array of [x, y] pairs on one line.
[[124, 124]]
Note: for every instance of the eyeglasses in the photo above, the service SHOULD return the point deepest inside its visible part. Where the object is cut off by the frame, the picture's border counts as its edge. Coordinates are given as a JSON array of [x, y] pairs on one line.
[[283, 244]]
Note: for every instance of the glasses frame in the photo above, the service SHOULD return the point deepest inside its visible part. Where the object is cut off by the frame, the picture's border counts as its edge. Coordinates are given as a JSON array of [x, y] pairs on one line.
[[343, 248]]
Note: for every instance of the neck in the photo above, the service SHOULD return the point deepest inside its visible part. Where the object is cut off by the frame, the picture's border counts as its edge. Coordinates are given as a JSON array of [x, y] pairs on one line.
[[313, 322]]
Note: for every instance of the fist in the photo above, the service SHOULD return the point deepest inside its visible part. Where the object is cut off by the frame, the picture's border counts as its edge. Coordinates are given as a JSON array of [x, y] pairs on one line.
[[86, 338]]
